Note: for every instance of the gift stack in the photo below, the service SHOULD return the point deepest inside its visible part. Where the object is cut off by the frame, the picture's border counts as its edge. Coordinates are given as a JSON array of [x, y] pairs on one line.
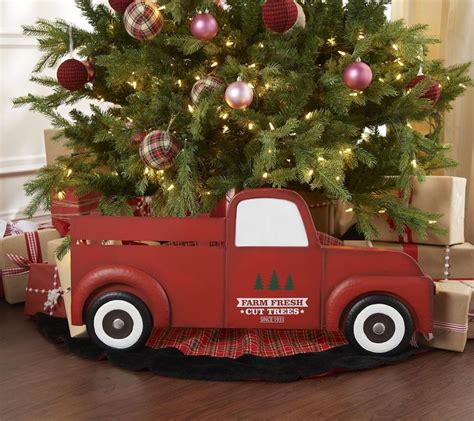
[[447, 258]]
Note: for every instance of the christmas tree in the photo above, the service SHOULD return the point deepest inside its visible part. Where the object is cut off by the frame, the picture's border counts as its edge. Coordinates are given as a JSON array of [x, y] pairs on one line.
[[201, 97], [273, 285]]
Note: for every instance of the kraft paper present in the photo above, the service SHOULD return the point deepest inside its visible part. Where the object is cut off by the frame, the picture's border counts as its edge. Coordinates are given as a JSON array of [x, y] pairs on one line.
[[51, 248], [43, 293], [450, 317], [64, 272], [14, 285], [436, 194], [322, 210], [440, 262], [470, 315]]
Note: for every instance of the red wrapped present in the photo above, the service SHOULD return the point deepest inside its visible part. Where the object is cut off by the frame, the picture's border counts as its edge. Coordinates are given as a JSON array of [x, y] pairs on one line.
[[44, 293], [66, 204]]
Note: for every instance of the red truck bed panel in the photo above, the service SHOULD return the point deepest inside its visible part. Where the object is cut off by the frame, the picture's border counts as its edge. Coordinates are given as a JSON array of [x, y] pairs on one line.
[[96, 227]]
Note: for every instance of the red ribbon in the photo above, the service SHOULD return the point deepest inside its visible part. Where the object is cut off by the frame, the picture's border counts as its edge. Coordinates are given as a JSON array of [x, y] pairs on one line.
[[33, 248]]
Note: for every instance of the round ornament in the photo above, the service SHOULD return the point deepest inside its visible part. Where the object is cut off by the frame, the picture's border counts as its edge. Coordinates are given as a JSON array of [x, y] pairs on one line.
[[143, 20], [72, 74], [139, 136], [239, 95], [119, 5], [203, 86], [204, 27], [282, 15], [433, 92], [158, 149], [357, 76]]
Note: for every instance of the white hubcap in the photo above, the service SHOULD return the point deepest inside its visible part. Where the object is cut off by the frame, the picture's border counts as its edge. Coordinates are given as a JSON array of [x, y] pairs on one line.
[[379, 328], [133, 314]]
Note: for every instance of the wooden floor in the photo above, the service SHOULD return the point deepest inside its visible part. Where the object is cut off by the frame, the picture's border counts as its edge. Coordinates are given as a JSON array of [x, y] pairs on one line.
[[38, 380]]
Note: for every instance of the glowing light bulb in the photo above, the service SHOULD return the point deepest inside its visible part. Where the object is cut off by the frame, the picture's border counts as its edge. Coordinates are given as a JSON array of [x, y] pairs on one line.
[[69, 172], [413, 163], [349, 210], [395, 47], [272, 127], [171, 187], [190, 108], [61, 195], [321, 159], [265, 175], [342, 53], [399, 76], [225, 129], [251, 126], [214, 64], [338, 178], [308, 115], [331, 41], [310, 173]]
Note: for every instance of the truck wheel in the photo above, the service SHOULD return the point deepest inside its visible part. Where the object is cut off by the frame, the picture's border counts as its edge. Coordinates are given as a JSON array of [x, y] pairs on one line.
[[119, 320], [379, 325]]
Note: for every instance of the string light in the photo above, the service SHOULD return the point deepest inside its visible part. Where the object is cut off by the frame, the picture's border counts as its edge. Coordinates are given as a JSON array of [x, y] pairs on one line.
[[272, 127], [224, 116], [251, 126], [267, 85], [197, 77], [342, 53], [190, 108], [409, 125], [179, 83], [69, 172], [338, 178], [229, 43], [130, 119], [310, 173], [353, 94], [208, 193], [265, 175], [171, 187], [331, 41], [61, 195], [270, 151], [381, 80], [308, 115], [382, 210], [261, 45], [447, 77], [147, 171], [462, 85], [225, 129], [413, 163], [162, 8], [349, 210], [432, 221], [321, 159], [395, 47], [252, 66], [214, 64], [399, 76]]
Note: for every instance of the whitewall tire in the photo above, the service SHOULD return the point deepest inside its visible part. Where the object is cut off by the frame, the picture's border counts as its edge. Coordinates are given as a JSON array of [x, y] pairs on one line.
[[379, 325], [119, 320]]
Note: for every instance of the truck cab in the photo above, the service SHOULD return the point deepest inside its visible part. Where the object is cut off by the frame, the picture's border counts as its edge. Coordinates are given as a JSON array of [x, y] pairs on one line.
[[257, 263]]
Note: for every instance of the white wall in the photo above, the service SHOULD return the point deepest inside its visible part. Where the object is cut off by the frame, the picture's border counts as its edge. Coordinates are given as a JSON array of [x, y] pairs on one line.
[[21, 131]]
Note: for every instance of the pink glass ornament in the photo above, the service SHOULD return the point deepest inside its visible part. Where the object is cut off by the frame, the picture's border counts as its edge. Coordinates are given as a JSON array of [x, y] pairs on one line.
[[204, 27], [357, 76], [239, 95]]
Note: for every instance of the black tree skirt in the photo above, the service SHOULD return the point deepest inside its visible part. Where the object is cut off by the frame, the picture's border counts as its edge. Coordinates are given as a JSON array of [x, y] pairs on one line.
[[171, 362]]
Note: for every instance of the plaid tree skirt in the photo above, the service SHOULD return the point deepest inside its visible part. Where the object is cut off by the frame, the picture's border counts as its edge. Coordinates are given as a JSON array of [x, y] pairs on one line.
[[172, 361]]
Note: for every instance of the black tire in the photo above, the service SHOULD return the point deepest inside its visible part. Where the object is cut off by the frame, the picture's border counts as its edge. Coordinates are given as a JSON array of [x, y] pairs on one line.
[[119, 320], [379, 325]]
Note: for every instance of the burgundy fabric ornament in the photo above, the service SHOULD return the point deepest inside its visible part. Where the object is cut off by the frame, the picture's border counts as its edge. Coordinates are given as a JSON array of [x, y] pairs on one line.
[[72, 74], [282, 15], [357, 76], [143, 20], [204, 27], [433, 92], [119, 5], [239, 95], [206, 85], [158, 149]]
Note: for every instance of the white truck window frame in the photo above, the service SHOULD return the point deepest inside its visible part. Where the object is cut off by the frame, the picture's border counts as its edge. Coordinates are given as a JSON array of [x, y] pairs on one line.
[[268, 222]]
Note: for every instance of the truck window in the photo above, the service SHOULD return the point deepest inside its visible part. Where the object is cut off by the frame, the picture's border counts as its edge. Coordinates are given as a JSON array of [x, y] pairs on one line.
[[269, 223]]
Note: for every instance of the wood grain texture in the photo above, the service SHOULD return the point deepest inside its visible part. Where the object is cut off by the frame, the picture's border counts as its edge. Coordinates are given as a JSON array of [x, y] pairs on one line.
[[39, 381]]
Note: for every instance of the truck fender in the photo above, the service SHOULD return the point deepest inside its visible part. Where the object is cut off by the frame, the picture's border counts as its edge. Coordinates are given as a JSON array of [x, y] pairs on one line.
[[120, 278], [415, 292]]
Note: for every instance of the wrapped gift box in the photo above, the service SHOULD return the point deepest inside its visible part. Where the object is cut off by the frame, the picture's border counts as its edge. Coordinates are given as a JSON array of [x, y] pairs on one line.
[[470, 315], [436, 194], [440, 262], [51, 248], [17, 253], [43, 293], [64, 272], [55, 145], [450, 317], [67, 204]]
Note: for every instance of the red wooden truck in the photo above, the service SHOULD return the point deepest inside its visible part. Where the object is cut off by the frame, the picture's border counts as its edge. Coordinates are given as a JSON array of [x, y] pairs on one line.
[[256, 264]]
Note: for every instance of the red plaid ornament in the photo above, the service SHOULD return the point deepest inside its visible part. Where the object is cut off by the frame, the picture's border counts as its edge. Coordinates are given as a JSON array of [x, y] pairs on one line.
[[207, 85], [72, 74], [158, 149], [280, 15], [433, 92], [119, 5], [143, 20]]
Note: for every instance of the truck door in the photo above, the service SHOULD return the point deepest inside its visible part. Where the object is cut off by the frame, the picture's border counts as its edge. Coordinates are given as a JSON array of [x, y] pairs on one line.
[[273, 262]]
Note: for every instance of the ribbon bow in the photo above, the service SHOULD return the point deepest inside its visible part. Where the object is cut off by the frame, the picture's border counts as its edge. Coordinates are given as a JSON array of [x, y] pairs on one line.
[[53, 297], [34, 256]]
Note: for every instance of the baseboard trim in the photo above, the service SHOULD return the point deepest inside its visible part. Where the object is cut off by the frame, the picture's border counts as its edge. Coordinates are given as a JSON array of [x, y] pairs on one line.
[[24, 164]]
